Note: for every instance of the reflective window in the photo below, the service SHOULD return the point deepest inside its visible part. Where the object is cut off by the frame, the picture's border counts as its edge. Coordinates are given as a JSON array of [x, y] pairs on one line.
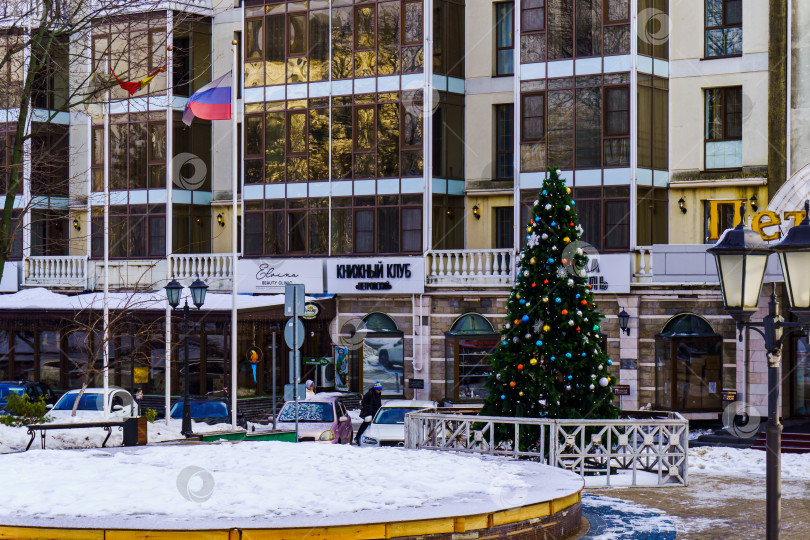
[[504, 141], [723, 127], [383, 354], [723, 28]]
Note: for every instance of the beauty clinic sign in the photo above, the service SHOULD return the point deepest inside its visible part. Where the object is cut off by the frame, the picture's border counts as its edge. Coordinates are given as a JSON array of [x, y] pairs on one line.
[[271, 275], [380, 276]]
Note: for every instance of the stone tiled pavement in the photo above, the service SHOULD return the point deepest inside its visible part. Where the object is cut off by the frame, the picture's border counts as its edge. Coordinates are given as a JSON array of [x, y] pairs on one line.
[[722, 507]]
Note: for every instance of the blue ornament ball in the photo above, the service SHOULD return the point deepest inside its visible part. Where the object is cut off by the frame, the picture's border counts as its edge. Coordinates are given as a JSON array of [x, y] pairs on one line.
[[539, 342], [553, 223], [568, 355], [503, 396], [557, 300], [552, 358], [570, 377], [550, 260], [522, 300], [609, 362], [577, 295], [525, 318], [573, 203], [545, 192], [596, 328], [583, 355], [537, 220], [505, 342]]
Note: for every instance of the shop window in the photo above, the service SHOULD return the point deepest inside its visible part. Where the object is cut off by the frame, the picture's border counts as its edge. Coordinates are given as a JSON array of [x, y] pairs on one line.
[[383, 354], [688, 365], [719, 216], [723, 28], [723, 128], [469, 343], [801, 376]]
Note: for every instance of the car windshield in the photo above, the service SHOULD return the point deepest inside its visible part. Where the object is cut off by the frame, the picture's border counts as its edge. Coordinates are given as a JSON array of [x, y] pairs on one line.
[[393, 415], [308, 411], [202, 409], [89, 402], [6, 389]]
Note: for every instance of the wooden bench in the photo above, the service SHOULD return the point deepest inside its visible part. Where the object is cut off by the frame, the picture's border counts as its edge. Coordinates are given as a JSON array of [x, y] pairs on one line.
[[43, 429]]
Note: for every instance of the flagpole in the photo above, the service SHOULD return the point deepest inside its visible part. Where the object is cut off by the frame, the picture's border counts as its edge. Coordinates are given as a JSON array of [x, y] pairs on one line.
[[234, 172], [106, 307], [169, 209]]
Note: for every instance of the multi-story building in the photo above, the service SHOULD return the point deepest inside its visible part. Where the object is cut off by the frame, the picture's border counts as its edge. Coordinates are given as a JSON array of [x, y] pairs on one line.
[[388, 154]]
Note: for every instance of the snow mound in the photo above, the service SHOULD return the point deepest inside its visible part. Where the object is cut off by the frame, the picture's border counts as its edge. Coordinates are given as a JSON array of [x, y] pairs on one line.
[[195, 485]]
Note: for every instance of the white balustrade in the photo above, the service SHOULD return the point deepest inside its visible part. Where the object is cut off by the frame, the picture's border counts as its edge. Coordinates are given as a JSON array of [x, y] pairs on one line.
[[473, 267], [68, 271], [644, 258], [209, 267]]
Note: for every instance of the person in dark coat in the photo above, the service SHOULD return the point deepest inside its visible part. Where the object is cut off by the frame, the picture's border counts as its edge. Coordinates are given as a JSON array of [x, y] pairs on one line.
[[370, 405]]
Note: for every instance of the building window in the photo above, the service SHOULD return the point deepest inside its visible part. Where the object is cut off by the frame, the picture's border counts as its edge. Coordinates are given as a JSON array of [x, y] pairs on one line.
[[533, 16], [136, 231], [723, 28], [504, 227], [617, 126], [653, 31], [504, 141], [604, 214], [653, 122], [469, 343], [719, 216], [360, 225], [723, 128], [504, 38], [688, 365], [653, 208]]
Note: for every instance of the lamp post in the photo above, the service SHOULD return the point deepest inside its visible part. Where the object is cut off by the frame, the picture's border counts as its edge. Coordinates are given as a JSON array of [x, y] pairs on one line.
[[173, 290], [741, 256]]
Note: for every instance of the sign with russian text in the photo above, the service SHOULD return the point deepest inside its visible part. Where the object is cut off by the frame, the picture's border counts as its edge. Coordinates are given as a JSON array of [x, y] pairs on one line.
[[272, 275], [609, 273], [380, 276]]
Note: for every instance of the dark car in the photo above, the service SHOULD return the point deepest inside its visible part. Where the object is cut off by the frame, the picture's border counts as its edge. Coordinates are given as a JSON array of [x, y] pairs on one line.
[[210, 410], [34, 389]]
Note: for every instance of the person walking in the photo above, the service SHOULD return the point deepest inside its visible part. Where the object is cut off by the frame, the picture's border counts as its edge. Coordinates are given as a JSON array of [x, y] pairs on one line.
[[368, 408]]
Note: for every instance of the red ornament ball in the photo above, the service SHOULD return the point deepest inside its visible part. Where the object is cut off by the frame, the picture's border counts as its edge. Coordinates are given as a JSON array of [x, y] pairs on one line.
[[520, 367], [565, 261], [565, 312], [517, 321], [512, 384], [584, 302], [572, 223], [545, 282], [577, 328], [534, 284]]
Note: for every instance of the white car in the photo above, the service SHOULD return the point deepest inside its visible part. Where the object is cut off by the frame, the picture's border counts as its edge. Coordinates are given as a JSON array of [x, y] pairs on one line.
[[120, 404], [388, 426]]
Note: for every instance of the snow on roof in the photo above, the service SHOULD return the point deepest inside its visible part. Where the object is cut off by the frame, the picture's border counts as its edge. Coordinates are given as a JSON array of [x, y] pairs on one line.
[[41, 298]]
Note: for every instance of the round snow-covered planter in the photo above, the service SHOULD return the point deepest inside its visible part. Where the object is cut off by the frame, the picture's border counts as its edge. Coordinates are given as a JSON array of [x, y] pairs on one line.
[[329, 489]]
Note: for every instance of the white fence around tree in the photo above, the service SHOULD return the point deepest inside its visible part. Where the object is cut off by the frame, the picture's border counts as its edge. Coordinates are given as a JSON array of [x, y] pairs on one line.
[[644, 448]]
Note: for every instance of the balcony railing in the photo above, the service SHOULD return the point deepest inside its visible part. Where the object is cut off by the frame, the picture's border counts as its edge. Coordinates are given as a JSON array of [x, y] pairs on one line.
[[643, 269], [216, 269], [64, 271], [470, 267]]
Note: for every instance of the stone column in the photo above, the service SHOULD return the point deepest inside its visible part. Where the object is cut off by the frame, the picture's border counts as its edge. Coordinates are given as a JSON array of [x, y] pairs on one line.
[[628, 354]]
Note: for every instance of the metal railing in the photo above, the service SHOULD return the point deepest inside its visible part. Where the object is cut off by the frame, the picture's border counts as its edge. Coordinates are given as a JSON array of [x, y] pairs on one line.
[[478, 267], [643, 442], [69, 271]]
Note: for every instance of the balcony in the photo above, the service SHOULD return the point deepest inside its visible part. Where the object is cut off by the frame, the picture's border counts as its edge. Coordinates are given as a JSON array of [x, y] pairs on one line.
[[470, 267], [63, 272], [215, 269]]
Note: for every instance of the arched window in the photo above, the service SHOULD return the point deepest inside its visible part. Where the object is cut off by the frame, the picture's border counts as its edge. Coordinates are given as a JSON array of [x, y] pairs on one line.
[[469, 342], [383, 354], [689, 365]]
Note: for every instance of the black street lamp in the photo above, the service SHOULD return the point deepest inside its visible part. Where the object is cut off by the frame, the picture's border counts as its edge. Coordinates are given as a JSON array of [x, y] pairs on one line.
[[173, 290], [741, 257], [624, 322]]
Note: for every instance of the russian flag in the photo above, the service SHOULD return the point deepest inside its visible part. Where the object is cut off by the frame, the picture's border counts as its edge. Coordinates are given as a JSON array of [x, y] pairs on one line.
[[211, 102]]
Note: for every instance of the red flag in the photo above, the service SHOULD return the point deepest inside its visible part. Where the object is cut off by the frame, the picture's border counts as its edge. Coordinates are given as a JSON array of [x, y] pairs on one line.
[[133, 87]]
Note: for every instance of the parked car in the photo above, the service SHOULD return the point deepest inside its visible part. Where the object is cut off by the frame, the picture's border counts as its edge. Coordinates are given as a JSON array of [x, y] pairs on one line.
[[388, 426], [35, 390], [211, 410], [120, 404], [320, 418], [390, 355]]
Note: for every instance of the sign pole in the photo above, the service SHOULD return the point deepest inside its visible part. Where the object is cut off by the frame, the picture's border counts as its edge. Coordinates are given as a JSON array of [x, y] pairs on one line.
[[296, 360]]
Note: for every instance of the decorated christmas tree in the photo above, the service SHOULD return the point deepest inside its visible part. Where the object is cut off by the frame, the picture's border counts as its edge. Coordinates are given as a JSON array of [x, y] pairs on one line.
[[550, 362]]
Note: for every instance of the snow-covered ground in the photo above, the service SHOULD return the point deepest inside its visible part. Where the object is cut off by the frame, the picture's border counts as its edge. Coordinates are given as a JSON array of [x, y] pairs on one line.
[[719, 461], [14, 439], [261, 482]]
